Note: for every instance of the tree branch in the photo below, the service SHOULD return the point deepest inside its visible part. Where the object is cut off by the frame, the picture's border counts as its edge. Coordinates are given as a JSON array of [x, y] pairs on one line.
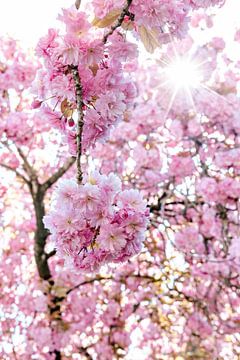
[[80, 122], [61, 171], [51, 253], [119, 21], [41, 235], [27, 166], [87, 282], [84, 351], [18, 174]]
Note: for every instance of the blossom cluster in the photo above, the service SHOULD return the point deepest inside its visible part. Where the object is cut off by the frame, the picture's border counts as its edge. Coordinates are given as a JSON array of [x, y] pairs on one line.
[[161, 20], [96, 223], [108, 89], [105, 63], [220, 192]]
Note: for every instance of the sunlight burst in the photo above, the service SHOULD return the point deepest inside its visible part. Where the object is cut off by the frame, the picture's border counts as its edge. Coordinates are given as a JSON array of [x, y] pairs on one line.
[[183, 73]]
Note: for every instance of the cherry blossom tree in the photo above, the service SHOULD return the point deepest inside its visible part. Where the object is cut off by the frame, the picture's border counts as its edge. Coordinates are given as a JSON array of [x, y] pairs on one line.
[[120, 187]]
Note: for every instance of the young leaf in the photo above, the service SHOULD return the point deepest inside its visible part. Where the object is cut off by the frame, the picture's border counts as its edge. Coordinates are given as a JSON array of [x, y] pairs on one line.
[[94, 68], [66, 108], [108, 20], [148, 38]]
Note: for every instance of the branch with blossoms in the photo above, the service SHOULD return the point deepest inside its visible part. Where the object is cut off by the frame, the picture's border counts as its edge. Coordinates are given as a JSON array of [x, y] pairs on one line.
[[112, 221], [80, 120], [79, 91], [125, 12]]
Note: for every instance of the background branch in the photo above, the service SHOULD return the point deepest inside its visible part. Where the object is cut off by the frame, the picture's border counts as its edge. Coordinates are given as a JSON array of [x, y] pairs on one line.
[[87, 282], [59, 173], [26, 165], [18, 174]]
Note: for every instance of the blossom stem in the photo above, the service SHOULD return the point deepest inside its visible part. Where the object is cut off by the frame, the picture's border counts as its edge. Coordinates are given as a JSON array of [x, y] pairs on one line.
[[119, 21], [80, 121]]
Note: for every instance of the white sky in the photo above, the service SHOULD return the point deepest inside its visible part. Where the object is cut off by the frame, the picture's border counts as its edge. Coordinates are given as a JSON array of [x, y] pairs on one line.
[[28, 20]]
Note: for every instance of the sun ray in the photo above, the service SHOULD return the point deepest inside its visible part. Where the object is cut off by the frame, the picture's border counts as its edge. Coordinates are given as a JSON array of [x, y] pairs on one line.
[[191, 99], [182, 74], [214, 93], [200, 64], [164, 62], [171, 101]]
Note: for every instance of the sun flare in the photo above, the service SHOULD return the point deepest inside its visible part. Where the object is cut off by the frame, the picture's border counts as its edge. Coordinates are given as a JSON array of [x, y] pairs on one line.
[[183, 73]]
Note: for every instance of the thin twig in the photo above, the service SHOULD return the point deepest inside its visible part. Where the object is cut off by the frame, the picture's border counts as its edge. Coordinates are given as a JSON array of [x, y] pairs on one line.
[[27, 166], [16, 172], [87, 282], [119, 21]]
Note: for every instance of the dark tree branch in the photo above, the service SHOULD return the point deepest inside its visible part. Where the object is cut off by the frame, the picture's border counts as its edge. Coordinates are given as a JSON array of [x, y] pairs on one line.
[[59, 173], [87, 282], [142, 277], [157, 207], [41, 235], [57, 355], [84, 351], [119, 21], [51, 253], [41, 259]]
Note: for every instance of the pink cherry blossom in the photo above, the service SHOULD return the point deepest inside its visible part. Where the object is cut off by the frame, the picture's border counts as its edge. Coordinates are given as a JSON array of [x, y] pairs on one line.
[[89, 219]]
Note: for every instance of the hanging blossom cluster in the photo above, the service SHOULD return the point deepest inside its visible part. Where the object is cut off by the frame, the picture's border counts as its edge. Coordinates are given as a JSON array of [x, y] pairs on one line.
[[107, 89], [96, 223]]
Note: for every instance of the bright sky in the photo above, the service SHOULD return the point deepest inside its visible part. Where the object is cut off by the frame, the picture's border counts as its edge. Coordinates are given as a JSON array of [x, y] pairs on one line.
[[27, 20]]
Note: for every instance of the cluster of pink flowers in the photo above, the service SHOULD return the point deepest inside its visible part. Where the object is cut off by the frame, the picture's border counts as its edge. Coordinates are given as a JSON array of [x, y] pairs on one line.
[[189, 239], [97, 222], [108, 89], [221, 191], [104, 67], [18, 73], [166, 18]]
